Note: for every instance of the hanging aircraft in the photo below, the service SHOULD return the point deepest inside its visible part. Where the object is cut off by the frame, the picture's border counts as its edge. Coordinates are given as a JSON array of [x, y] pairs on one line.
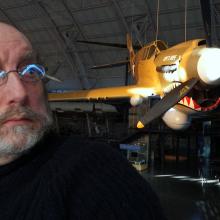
[[174, 74]]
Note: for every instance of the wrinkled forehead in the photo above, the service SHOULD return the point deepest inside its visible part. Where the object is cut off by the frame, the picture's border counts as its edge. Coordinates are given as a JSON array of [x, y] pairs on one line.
[[9, 33], [29, 56], [11, 38]]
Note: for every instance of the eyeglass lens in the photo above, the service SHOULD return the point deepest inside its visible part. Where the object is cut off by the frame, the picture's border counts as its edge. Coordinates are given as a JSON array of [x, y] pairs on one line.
[[29, 73]]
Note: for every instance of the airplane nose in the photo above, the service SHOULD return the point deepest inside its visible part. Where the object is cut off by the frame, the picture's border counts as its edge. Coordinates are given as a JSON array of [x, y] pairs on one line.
[[208, 66]]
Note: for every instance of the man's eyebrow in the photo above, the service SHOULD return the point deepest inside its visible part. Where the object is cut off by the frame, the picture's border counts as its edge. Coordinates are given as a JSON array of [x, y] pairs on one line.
[[30, 55]]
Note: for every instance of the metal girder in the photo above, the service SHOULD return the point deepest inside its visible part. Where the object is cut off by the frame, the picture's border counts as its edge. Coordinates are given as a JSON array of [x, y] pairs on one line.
[[119, 12], [89, 7], [144, 22], [113, 34], [80, 31], [73, 46], [150, 15], [216, 21], [63, 46], [176, 10], [82, 72], [9, 19]]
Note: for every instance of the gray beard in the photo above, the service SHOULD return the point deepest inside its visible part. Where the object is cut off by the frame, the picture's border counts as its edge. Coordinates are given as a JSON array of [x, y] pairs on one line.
[[16, 141]]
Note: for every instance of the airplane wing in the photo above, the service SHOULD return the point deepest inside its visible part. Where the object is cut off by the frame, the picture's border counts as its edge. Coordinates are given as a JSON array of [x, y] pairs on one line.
[[103, 94]]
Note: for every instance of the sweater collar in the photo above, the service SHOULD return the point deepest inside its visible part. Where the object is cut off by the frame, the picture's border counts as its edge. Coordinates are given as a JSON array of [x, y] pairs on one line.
[[39, 151]]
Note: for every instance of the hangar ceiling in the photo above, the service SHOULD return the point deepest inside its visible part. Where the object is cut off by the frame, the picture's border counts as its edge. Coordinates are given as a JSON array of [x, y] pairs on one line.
[[54, 26]]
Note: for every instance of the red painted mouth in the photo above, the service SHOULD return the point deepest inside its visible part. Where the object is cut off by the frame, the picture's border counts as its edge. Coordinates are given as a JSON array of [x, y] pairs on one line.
[[189, 102]]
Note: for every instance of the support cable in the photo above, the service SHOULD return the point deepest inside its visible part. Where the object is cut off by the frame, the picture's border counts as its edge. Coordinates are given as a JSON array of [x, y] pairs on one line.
[[157, 28], [185, 21]]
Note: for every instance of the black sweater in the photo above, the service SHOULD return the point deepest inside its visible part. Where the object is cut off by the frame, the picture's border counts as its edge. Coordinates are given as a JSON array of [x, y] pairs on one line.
[[74, 179]]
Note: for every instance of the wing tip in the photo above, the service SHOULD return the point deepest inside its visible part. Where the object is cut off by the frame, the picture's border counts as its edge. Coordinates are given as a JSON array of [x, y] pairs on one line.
[[140, 125]]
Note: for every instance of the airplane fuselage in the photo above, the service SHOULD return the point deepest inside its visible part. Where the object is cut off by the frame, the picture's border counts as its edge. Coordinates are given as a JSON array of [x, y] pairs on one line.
[[157, 70], [165, 69]]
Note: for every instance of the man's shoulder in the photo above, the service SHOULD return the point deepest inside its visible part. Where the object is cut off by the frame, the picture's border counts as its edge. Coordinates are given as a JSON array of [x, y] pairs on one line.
[[77, 158], [104, 158], [74, 147], [86, 167], [74, 150]]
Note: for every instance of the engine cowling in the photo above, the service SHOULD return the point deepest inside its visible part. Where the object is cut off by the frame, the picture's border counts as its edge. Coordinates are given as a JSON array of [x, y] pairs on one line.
[[208, 66], [176, 119]]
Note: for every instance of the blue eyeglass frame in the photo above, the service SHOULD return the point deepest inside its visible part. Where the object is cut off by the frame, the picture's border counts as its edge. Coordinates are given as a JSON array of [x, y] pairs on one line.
[[28, 69]]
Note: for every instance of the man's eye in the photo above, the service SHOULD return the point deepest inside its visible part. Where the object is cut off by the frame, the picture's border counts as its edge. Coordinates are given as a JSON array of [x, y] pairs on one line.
[[3, 74], [3, 77], [30, 76], [32, 73]]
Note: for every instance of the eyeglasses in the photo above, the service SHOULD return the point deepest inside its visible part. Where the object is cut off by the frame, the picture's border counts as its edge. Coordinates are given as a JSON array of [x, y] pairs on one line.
[[28, 73]]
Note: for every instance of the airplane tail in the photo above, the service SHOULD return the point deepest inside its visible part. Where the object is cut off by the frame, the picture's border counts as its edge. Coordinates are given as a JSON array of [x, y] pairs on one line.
[[130, 48], [131, 54]]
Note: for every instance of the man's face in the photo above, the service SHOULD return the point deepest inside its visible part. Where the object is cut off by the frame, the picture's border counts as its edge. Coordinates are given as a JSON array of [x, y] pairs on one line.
[[24, 112]]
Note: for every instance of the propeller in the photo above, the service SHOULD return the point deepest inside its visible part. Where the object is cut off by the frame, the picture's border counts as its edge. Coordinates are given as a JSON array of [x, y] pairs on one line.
[[167, 102]]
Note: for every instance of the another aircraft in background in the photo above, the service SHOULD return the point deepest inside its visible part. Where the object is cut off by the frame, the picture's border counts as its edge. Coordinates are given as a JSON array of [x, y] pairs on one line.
[[179, 75]]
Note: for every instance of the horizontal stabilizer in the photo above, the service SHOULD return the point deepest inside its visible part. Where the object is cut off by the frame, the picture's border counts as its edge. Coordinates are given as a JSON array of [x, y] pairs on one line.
[[108, 44], [120, 63]]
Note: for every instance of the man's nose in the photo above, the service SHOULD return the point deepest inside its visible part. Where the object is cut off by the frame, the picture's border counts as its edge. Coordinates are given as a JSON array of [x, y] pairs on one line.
[[16, 89]]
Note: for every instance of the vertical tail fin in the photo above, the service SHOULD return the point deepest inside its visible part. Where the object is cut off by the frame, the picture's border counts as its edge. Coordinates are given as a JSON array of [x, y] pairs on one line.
[[131, 54]]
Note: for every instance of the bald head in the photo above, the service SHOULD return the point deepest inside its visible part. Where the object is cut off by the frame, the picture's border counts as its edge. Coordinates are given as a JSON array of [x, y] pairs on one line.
[[8, 33], [18, 131]]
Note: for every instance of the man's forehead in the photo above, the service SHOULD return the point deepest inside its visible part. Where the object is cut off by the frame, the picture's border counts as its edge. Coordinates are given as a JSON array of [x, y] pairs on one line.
[[30, 55], [10, 38], [9, 34]]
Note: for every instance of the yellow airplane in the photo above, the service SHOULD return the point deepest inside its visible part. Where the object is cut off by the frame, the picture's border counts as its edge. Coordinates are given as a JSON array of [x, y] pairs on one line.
[[170, 73]]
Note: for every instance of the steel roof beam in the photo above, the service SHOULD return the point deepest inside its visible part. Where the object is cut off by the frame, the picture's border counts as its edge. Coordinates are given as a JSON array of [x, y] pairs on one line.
[[216, 18], [63, 46], [150, 15], [9, 19], [118, 9], [80, 30], [120, 14]]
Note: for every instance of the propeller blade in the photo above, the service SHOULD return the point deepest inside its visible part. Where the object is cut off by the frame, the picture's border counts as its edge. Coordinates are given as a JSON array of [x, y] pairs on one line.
[[120, 63], [107, 44], [168, 101], [207, 20]]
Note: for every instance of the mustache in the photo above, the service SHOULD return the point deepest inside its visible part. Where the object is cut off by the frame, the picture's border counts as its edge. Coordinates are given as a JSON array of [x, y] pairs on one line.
[[21, 112]]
